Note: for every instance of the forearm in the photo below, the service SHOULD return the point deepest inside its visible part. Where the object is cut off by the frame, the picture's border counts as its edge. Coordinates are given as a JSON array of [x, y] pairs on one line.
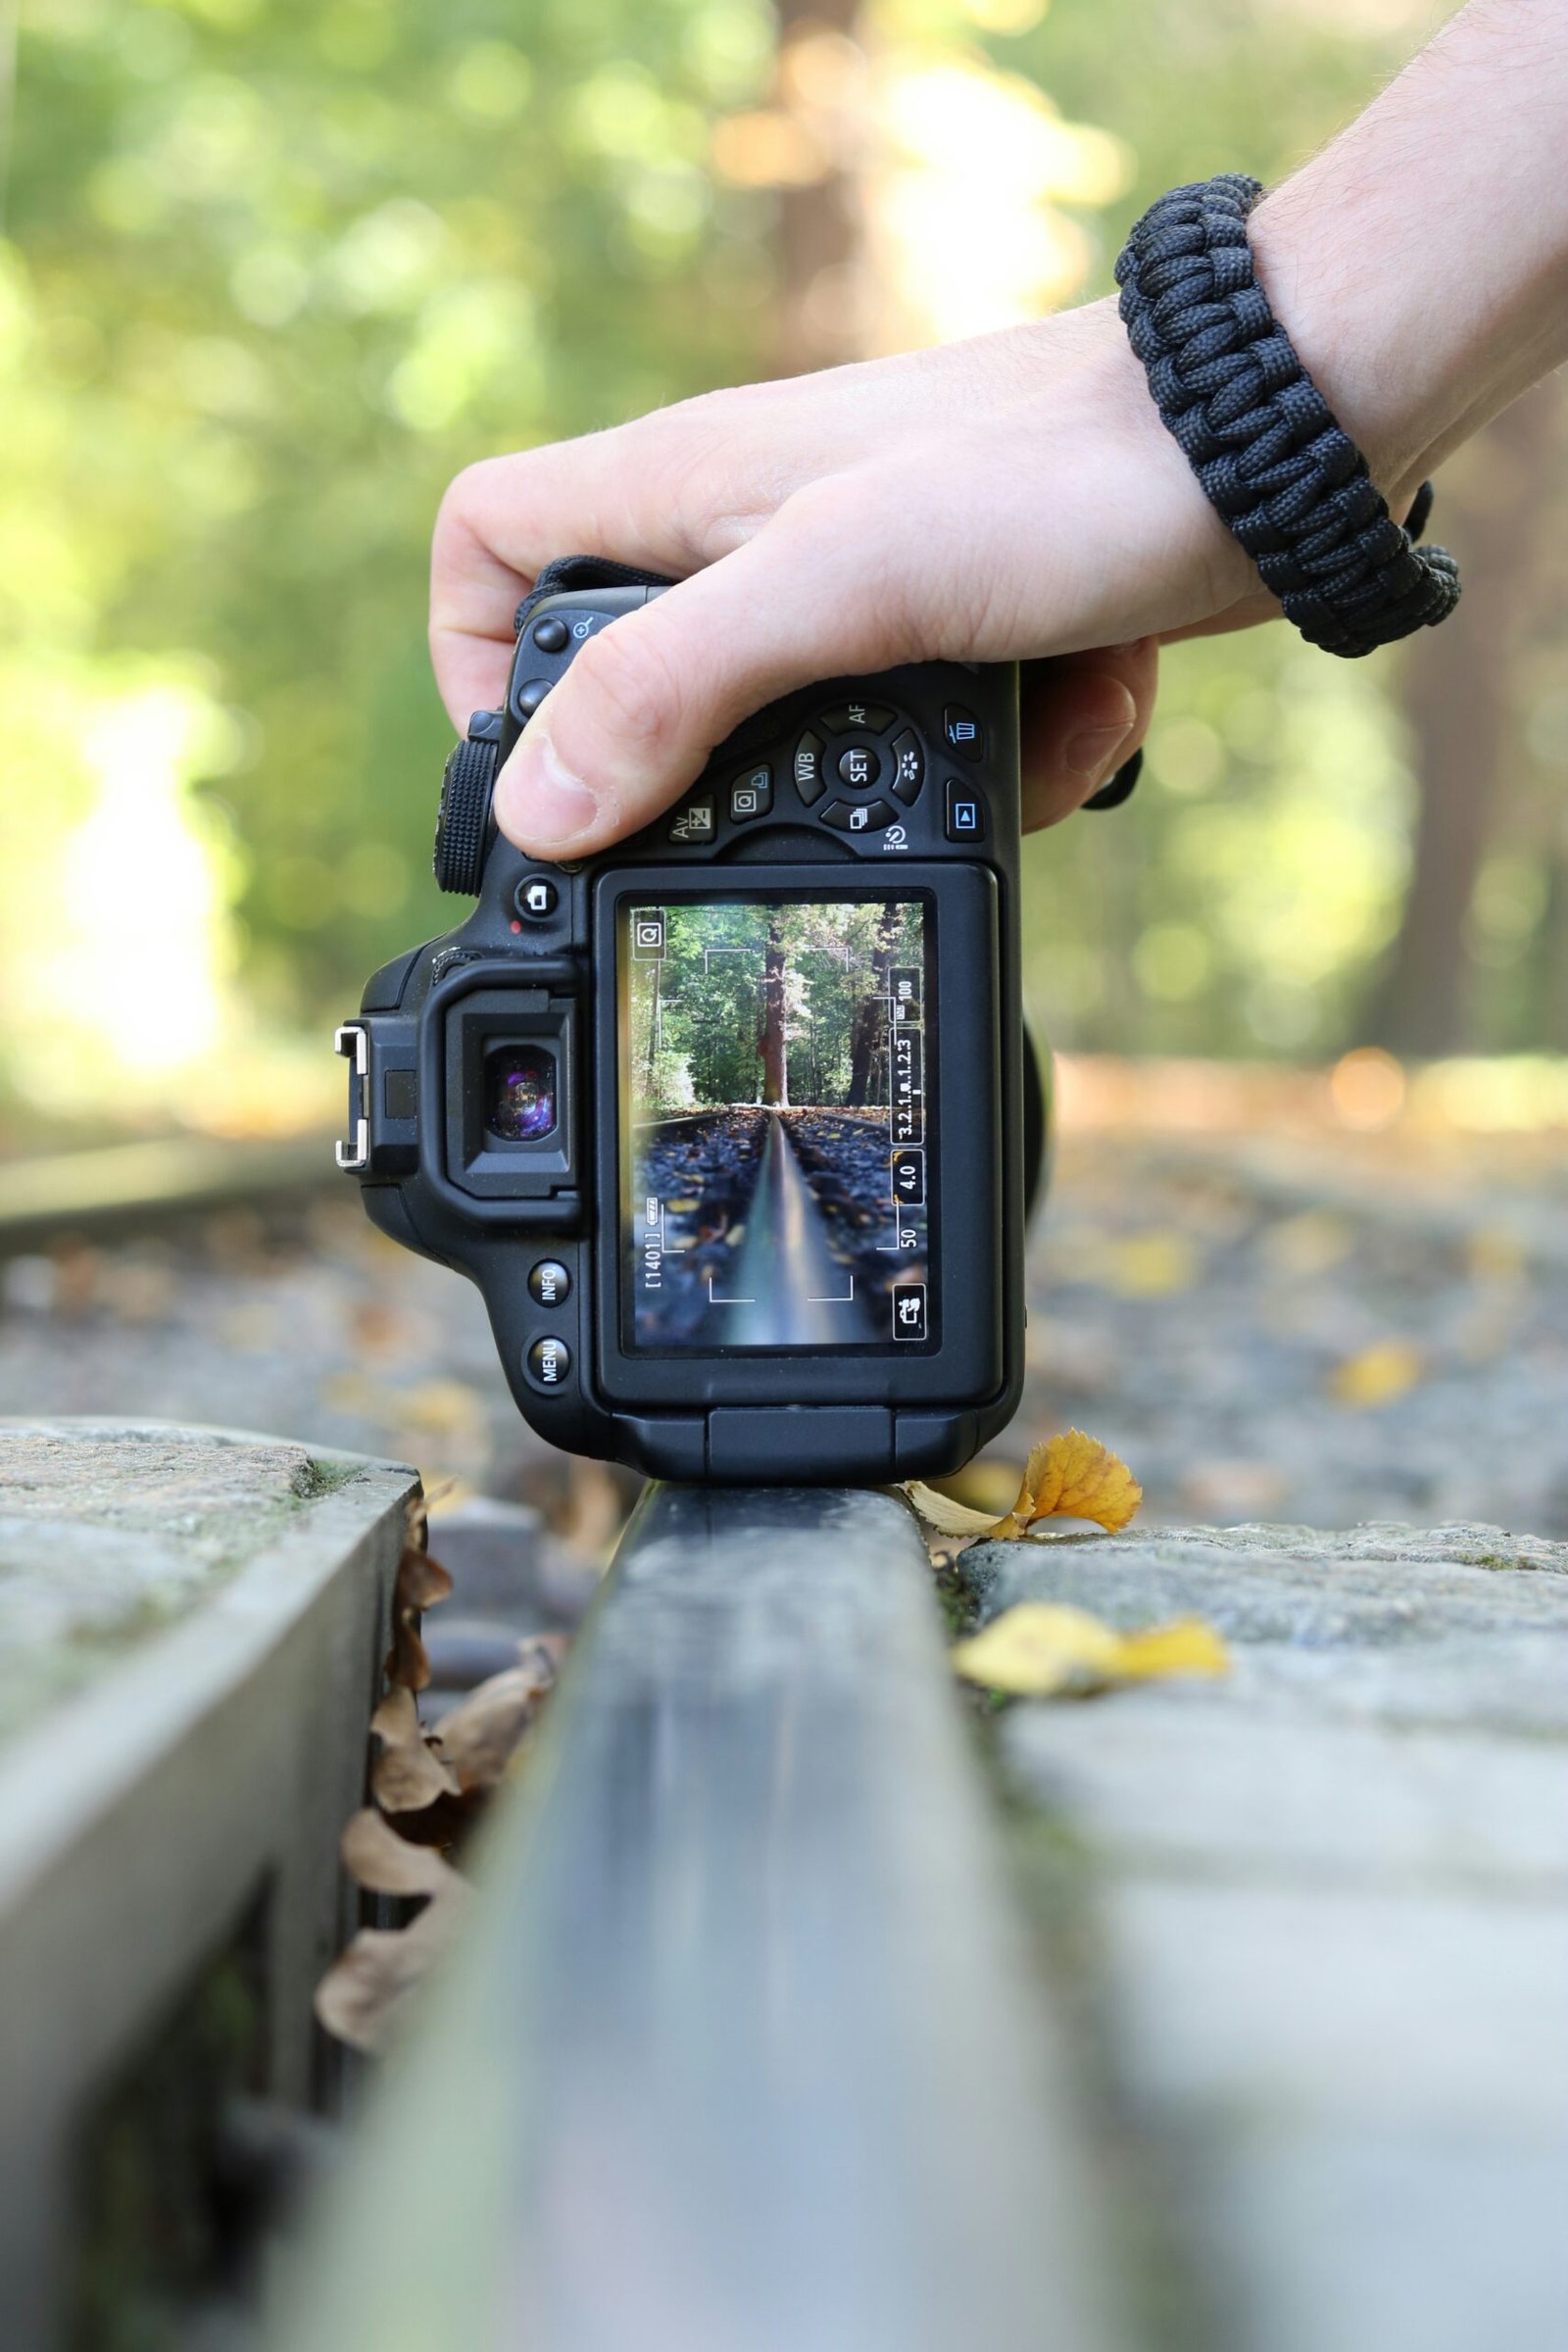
[[1420, 263]]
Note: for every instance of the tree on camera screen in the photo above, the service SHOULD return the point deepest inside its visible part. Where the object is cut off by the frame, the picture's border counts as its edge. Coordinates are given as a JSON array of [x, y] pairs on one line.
[[775, 1136]]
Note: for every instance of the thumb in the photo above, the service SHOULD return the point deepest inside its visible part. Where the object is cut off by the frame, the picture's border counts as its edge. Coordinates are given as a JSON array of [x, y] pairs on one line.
[[637, 715]]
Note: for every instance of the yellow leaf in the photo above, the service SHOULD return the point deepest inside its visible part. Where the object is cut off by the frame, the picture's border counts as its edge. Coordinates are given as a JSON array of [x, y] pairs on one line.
[[1042, 1649], [1075, 1477], [1187, 1645], [1068, 1477], [1378, 1374]]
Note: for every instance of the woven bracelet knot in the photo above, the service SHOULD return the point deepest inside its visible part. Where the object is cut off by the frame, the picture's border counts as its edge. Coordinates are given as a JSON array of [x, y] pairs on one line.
[[1264, 442]]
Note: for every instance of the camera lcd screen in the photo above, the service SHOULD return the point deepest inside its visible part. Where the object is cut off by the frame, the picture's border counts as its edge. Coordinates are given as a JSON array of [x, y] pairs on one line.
[[774, 1065]]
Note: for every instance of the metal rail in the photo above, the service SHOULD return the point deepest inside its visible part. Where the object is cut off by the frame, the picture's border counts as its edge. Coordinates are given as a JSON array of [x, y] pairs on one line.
[[740, 2052], [128, 1185]]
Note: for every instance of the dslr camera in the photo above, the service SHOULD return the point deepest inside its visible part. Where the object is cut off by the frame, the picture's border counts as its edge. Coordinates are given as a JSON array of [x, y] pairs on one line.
[[735, 1126]]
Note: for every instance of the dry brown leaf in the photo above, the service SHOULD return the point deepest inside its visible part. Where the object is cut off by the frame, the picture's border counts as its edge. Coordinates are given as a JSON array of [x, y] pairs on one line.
[[406, 1775], [948, 1517], [1070, 1477], [481, 1735], [377, 1858], [1041, 1650], [365, 1993], [420, 1584]]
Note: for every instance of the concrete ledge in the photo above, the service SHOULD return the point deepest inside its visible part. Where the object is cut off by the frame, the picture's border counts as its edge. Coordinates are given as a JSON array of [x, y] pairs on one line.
[[196, 1620], [1326, 1909]]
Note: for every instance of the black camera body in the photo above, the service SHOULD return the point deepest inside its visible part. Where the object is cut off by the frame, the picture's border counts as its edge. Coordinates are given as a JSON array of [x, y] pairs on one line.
[[729, 1123]]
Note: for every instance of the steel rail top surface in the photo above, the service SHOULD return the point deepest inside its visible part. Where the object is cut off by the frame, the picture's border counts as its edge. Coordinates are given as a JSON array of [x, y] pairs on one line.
[[740, 2052]]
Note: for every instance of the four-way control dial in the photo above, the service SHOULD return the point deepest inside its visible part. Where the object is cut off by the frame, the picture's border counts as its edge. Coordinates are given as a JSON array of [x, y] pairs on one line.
[[850, 745], [462, 824]]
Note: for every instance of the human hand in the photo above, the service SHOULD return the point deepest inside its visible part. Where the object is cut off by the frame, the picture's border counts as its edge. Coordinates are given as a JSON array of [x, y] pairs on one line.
[[1011, 497]]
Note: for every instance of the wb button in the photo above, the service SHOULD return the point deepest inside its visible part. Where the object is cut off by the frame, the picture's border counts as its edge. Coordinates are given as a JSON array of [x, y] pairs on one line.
[[965, 812]]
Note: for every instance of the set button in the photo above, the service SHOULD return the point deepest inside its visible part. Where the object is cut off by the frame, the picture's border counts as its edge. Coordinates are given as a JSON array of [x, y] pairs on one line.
[[860, 766], [527, 699], [859, 816]]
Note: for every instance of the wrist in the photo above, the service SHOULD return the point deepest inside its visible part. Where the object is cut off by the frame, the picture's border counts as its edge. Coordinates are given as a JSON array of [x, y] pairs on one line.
[[1419, 265], [1397, 381]]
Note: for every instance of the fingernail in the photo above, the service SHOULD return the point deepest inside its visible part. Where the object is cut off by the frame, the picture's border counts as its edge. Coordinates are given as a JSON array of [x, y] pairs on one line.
[[539, 801], [1093, 748]]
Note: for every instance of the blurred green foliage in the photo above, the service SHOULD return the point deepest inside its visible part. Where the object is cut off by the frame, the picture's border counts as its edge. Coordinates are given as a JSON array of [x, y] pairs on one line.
[[1243, 902], [277, 268]]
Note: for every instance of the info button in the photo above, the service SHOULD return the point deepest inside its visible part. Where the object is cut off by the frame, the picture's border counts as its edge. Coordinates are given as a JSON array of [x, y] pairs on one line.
[[549, 1283]]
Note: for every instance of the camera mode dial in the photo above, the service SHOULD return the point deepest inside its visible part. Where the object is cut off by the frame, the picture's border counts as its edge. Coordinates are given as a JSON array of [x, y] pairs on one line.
[[463, 825]]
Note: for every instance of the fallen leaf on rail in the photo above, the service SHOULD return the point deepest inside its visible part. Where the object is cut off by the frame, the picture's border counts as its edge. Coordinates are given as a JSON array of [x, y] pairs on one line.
[[481, 1735], [407, 1774], [420, 1583], [1070, 1477], [365, 1992], [1378, 1374], [1041, 1650], [375, 1857]]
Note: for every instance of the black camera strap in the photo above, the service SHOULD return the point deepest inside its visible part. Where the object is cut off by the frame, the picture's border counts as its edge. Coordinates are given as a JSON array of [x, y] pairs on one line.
[[584, 572]]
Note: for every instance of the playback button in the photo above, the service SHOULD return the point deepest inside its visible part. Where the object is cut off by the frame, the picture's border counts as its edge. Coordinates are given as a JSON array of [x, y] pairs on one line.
[[965, 812]]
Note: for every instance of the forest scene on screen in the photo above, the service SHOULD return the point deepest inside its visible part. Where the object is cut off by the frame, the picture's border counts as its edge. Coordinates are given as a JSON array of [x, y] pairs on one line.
[[775, 1132]]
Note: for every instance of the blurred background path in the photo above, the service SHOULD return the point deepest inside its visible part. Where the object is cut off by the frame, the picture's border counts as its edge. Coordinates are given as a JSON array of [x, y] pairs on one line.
[[1283, 1295]]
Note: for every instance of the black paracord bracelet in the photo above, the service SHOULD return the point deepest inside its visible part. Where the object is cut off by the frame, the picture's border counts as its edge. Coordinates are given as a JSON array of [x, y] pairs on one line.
[[1261, 439]]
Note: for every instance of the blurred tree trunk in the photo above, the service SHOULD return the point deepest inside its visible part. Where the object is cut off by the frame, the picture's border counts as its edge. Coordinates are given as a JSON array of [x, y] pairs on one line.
[[1459, 691], [770, 1043], [820, 238]]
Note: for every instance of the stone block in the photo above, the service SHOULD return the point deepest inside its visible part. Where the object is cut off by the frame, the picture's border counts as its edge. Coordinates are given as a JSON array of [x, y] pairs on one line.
[[193, 1624]]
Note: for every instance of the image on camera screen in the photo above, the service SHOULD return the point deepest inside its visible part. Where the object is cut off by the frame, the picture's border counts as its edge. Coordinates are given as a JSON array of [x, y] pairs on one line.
[[775, 1130]]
